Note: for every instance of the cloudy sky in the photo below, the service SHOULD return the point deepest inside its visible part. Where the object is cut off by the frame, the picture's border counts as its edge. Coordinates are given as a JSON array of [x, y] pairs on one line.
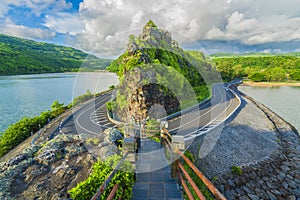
[[103, 26]]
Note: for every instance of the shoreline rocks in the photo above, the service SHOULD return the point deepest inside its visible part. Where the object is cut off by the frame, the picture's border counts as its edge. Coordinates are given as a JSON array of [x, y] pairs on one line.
[[47, 171]]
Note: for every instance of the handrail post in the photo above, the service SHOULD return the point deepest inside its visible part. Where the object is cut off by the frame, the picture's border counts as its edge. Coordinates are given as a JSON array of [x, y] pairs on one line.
[[113, 192], [174, 169]]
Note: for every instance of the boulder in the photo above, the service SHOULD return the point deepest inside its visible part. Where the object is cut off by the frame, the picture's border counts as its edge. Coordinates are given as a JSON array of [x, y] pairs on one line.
[[107, 151], [112, 135]]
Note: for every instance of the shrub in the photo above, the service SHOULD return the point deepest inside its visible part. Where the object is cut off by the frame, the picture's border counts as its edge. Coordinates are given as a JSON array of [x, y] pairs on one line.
[[82, 98], [21, 130], [100, 171]]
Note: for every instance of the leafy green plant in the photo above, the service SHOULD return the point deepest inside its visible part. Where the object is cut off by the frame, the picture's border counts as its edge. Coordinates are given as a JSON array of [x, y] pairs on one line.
[[155, 138], [100, 171], [278, 140], [215, 179], [110, 105], [236, 170]]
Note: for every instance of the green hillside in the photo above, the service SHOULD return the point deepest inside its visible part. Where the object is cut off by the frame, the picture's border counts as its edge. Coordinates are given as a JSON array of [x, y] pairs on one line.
[[21, 56], [260, 67]]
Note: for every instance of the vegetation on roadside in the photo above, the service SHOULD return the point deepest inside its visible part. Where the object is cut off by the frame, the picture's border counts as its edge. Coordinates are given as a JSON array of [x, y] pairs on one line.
[[21, 130], [100, 171], [82, 98], [261, 67], [204, 190], [21, 56], [155, 137], [18, 132]]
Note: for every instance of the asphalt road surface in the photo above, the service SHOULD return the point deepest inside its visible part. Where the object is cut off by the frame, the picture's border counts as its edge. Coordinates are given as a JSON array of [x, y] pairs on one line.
[[222, 103], [92, 119]]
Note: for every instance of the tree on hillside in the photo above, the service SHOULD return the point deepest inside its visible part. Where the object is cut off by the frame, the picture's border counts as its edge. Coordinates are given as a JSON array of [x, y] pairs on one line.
[[257, 77]]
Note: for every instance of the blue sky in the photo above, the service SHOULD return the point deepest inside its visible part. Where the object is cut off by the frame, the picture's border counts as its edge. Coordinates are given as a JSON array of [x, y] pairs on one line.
[[102, 26]]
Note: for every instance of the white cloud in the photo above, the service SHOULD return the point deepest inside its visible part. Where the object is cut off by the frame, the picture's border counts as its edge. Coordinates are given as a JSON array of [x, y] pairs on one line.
[[257, 31], [214, 33], [3, 8], [10, 28], [37, 7], [243, 20], [65, 23], [104, 25], [107, 20]]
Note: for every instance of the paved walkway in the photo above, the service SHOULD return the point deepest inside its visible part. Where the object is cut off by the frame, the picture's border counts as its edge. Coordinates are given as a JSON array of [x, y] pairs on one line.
[[153, 174]]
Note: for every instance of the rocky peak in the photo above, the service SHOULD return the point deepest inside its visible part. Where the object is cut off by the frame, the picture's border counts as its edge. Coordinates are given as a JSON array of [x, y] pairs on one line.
[[140, 94], [151, 37]]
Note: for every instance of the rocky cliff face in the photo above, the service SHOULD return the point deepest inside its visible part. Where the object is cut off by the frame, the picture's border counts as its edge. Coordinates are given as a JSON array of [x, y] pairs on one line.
[[142, 93], [146, 100]]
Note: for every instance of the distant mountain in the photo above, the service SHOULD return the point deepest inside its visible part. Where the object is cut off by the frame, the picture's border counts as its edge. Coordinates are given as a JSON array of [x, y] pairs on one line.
[[21, 56]]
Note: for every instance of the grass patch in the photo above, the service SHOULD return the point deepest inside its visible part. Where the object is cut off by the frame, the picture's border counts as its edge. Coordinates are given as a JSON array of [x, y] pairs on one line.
[[236, 170]]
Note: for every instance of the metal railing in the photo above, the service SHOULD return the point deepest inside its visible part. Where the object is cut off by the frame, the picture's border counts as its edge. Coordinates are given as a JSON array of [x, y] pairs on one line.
[[202, 177]]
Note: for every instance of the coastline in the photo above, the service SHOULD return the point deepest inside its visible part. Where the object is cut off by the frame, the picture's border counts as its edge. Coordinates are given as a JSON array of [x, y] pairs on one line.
[[270, 84], [266, 153], [263, 145], [69, 72]]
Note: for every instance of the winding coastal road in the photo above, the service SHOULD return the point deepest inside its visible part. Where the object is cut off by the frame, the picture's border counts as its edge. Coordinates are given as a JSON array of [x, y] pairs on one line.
[[92, 119], [206, 116]]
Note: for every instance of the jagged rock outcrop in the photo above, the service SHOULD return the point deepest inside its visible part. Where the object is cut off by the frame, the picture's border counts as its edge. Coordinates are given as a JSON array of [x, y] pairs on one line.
[[50, 170], [142, 93]]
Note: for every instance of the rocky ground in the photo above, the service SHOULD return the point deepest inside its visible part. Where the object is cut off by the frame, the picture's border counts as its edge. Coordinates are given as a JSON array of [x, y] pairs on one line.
[[49, 170], [263, 146]]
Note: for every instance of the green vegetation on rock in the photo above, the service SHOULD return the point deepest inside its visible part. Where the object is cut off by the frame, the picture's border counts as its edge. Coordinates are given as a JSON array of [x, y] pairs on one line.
[[155, 70], [155, 46], [21, 56], [236, 170], [100, 171]]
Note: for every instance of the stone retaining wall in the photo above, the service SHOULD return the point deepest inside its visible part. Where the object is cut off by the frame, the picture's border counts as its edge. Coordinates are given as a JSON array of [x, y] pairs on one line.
[[275, 176]]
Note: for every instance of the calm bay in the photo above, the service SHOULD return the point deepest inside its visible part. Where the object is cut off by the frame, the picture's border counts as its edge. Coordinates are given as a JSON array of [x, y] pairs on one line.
[[284, 100], [28, 95]]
